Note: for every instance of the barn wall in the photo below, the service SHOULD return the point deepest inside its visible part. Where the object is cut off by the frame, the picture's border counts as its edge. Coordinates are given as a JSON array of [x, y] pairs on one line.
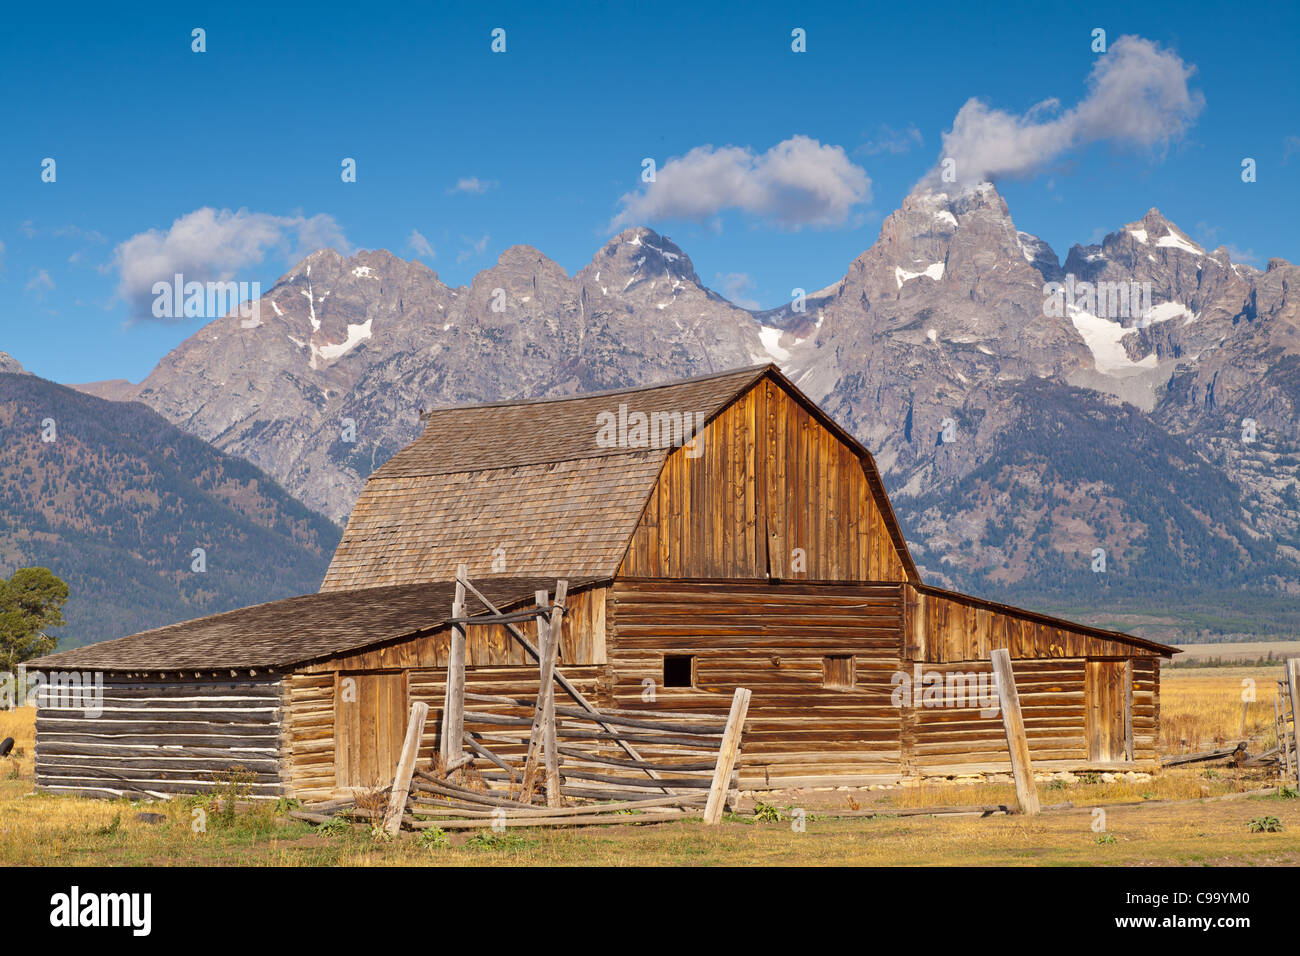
[[948, 740], [209, 729], [773, 639], [309, 735], [768, 478], [950, 634], [310, 720]]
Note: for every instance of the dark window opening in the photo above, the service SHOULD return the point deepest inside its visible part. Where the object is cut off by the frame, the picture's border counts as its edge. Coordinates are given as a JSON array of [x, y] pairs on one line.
[[679, 670], [839, 672]]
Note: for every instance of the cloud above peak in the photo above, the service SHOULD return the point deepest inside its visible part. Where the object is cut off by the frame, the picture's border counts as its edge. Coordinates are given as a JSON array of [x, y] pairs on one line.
[[798, 182], [1138, 97], [211, 245]]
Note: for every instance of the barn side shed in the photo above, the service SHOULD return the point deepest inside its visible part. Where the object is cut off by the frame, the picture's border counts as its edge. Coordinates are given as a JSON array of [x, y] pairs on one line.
[[715, 533]]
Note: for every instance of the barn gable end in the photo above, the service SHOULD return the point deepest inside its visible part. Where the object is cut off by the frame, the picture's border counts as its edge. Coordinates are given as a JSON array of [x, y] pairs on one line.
[[771, 488]]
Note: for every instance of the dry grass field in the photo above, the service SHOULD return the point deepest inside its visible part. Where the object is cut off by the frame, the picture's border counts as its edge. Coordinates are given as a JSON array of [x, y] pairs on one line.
[[1201, 708]]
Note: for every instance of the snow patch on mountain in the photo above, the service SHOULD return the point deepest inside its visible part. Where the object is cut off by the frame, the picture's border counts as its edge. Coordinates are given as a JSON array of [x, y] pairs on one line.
[[1173, 240], [1103, 338], [933, 271], [1166, 311], [356, 335], [771, 338]]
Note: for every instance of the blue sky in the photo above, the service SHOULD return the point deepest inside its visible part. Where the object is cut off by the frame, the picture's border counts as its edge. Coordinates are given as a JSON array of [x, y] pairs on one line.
[[146, 132]]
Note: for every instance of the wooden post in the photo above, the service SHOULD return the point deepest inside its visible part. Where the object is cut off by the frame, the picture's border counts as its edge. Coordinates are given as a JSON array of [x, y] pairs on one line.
[[551, 651], [542, 736], [563, 681], [1279, 721], [1128, 710], [1013, 723], [406, 767], [453, 714], [727, 757], [1293, 686]]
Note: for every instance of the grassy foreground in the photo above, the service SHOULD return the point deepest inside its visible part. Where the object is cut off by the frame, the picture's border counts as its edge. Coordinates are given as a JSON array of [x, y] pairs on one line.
[[39, 829]]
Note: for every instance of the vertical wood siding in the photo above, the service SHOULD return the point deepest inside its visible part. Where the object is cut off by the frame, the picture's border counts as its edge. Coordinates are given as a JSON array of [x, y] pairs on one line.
[[769, 478]]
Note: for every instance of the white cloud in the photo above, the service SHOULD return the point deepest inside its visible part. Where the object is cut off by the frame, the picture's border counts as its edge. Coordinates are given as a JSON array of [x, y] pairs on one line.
[[476, 248], [1248, 256], [209, 245], [735, 287], [1137, 96], [472, 184], [40, 283], [1290, 146], [893, 141], [420, 245], [796, 183]]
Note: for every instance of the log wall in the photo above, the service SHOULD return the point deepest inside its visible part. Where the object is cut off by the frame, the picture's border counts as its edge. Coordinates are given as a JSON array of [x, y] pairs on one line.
[[159, 736], [310, 732], [784, 640], [822, 659], [774, 639], [951, 634]]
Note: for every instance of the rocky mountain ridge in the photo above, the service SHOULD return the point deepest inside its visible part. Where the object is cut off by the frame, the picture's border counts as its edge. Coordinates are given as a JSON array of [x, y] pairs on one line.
[[957, 347]]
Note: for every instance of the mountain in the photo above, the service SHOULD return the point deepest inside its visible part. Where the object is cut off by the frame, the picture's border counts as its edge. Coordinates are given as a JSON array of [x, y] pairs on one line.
[[372, 338], [1024, 412], [114, 499], [1071, 425]]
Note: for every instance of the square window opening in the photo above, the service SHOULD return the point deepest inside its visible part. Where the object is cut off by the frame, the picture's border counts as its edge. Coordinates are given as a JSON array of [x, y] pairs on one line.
[[679, 670]]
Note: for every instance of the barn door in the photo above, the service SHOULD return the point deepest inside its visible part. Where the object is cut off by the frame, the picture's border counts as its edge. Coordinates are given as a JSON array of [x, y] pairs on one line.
[[369, 725], [1105, 700]]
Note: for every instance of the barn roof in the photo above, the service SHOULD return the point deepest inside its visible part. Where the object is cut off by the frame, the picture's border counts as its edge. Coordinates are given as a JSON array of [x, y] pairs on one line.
[[294, 631], [528, 484]]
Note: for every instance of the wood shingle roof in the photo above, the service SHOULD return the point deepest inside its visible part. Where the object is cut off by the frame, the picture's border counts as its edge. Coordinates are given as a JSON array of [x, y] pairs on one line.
[[517, 488]]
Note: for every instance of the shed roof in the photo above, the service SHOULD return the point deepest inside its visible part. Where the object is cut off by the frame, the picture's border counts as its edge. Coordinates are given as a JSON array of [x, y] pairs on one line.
[[295, 630]]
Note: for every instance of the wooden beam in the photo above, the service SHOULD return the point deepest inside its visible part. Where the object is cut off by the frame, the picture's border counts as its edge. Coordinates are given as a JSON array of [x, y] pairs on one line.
[[545, 684], [453, 714], [563, 681], [1128, 709], [1014, 725], [1279, 721], [727, 756], [406, 767], [554, 798], [1293, 687]]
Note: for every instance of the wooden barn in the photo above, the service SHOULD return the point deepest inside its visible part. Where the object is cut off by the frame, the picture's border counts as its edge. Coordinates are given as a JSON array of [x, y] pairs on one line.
[[714, 533]]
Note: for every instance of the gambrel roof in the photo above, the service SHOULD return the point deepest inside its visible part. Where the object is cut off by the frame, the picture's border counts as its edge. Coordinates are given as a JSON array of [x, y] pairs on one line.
[[528, 487]]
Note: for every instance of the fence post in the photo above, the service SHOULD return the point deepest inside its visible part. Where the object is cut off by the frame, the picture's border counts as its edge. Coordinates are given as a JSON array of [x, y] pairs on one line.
[[406, 767], [1014, 725], [1128, 710], [453, 714], [727, 756], [1293, 686]]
